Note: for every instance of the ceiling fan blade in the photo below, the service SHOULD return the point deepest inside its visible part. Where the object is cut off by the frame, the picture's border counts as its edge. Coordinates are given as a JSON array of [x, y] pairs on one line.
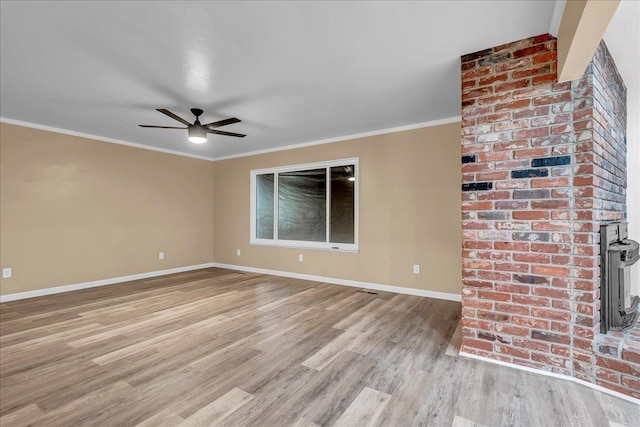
[[220, 132], [173, 116], [160, 127], [222, 122]]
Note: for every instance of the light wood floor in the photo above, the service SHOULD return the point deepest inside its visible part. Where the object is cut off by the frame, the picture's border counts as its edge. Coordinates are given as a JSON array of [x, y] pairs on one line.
[[216, 347]]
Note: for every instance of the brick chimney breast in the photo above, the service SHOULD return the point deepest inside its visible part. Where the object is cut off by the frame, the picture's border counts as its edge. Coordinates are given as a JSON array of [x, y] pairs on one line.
[[543, 166]]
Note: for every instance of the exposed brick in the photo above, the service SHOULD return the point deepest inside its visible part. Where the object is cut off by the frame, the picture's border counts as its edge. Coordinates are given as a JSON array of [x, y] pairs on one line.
[[511, 288], [529, 51], [551, 226], [495, 58], [545, 57], [469, 159], [551, 314], [561, 350], [493, 215], [528, 173], [483, 345], [510, 246], [531, 237], [631, 382], [552, 293], [551, 182], [506, 307], [550, 248], [477, 186], [531, 344], [532, 112], [512, 351], [531, 194], [552, 99], [511, 85], [530, 322], [530, 215], [494, 195], [475, 264], [548, 359], [608, 375], [475, 55], [493, 79], [476, 205], [494, 296], [533, 71], [531, 152], [631, 355], [620, 366], [515, 205], [550, 337], [495, 317], [551, 161], [534, 280], [554, 155], [529, 257], [549, 204], [512, 266], [531, 133], [512, 330], [544, 79], [531, 300], [512, 184], [513, 105]]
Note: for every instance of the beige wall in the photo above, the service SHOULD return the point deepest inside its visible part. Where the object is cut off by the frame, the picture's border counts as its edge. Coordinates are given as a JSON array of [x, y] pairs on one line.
[[409, 211], [74, 210]]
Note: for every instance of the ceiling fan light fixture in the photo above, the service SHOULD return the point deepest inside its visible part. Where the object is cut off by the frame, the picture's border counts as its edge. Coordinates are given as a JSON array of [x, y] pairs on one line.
[[197, 131], [197, 134]]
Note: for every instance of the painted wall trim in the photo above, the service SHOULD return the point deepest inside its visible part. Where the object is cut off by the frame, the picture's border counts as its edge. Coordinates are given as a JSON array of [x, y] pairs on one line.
[[98, 138], [345, 282], [582, 27], [96, 283], [347, 137], [430, 123], [554, 375]]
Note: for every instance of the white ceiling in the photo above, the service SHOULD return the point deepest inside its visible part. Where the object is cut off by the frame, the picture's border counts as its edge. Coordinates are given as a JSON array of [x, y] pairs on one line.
[[294, 72]]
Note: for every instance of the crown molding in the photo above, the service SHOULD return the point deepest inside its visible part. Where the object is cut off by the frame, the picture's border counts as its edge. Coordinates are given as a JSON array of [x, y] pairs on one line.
[[420, 125], [98, 138]]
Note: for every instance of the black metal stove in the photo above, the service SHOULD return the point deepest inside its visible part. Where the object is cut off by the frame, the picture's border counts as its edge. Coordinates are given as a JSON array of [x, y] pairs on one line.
[[619, 278]]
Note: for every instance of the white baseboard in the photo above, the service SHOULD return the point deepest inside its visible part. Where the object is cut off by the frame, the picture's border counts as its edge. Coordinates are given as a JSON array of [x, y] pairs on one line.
[[554, 375], [345, 282], [95, 283]]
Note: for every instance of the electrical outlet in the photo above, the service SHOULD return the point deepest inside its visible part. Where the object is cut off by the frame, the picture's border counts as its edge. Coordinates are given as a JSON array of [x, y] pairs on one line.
[[161, 255], [238, 252], [416, 268], [6, 273], [300, 258]]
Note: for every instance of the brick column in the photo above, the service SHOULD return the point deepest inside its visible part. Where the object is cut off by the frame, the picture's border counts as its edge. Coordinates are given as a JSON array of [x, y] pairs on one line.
[[543, 165]]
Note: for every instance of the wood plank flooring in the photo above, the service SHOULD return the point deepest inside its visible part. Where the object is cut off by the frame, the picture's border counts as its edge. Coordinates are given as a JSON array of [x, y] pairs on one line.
[[218, 347]]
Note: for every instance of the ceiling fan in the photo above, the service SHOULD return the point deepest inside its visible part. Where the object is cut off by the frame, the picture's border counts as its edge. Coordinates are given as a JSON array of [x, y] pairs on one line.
[[197, 131]]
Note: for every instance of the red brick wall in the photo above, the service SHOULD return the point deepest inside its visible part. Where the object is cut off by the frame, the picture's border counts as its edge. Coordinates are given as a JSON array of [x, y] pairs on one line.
[[543, 165]]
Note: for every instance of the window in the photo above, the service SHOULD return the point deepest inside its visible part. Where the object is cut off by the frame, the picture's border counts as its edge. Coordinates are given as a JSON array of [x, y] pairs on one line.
[[312, 206]]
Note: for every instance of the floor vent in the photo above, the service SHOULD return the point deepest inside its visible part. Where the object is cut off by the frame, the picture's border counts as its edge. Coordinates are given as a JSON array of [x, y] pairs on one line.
[[364, 291]]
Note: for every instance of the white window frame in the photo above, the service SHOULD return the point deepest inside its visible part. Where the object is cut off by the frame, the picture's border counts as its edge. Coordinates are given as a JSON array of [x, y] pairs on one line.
[[275, 242]]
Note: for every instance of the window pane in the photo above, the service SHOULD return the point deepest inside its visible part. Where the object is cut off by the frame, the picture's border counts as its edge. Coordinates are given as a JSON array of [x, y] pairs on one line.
[[302, 205], [342, 204], [264, 206]]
